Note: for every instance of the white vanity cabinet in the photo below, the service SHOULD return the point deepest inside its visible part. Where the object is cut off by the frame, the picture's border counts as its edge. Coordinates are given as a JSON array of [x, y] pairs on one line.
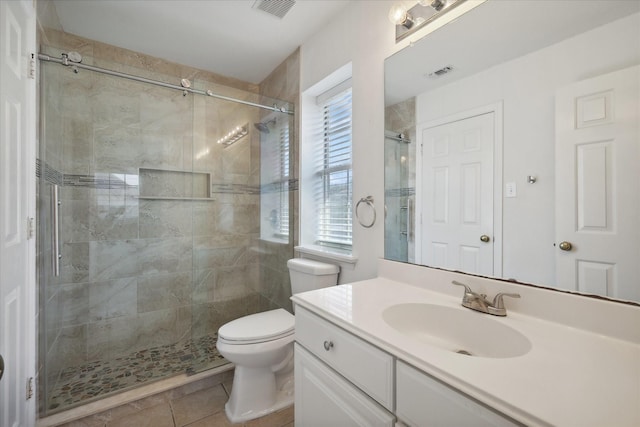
[[340, 379], [343, 380], [424, 401]]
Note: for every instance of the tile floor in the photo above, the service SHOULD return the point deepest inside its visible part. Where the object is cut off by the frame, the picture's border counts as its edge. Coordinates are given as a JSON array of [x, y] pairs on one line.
[[197, 405], [85, 383]]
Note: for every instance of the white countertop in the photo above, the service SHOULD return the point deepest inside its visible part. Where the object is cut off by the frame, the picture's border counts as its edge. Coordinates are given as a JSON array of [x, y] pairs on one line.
[[570, 377]]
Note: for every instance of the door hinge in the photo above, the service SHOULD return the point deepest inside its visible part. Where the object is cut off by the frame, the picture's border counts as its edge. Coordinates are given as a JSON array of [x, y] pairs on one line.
[[31, 228], [32, 66], [29, 388]]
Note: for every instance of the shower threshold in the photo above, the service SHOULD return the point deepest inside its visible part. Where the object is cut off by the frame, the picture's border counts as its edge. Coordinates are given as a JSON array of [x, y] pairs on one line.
[[82, 384]]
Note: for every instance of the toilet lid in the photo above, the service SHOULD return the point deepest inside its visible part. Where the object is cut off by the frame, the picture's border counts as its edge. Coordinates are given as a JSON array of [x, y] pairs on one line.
[[259, 326]]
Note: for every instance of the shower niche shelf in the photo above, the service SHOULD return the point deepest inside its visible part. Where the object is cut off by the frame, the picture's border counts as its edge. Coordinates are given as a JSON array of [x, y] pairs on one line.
[[162, 184]]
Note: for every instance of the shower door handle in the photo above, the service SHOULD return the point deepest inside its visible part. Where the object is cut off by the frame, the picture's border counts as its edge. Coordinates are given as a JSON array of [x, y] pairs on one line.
[[409, 218], [55, 230]]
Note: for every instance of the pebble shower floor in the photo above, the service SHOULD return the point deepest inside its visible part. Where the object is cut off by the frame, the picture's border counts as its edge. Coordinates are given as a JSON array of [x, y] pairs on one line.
[[94, 380]]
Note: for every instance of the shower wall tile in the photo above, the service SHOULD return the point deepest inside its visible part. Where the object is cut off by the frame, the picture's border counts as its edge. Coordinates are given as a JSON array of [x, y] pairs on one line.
[[112, 298], [164, 291], [70, 348], [167, 255], [84, 221], [235, 282], [113, 259], [120, 336], [205, 218], [161, 218], [117, 149], [115, 100], [236, 158], [77, 145], [204, 285], [162, 149], [70, 42], [238, 219], [75, 262], [219, 257], [75, 90], [73, 304], [165, 110]]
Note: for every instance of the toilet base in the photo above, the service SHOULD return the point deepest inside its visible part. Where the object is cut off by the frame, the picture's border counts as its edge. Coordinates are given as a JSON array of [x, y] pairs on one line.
[[264, 394]]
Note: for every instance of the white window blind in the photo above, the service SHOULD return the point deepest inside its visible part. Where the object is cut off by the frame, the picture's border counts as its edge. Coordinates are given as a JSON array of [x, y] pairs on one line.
[[274, 177], [333, 192], [283, 226]]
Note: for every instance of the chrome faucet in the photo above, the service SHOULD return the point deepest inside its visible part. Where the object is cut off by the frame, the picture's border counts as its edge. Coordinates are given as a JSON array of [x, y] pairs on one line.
[[480, 303]]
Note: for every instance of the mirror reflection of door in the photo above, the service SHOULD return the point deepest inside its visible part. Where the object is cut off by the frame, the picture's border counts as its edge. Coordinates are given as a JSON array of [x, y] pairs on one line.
[[455, 191], [597, 178]]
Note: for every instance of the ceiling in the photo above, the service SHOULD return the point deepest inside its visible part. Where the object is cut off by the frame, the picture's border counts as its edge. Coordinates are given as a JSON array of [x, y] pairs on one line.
[[227, 37], [493, 33]]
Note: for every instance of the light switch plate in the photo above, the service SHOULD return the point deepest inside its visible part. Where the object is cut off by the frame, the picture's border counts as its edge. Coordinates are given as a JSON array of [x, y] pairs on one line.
[[510, 189]]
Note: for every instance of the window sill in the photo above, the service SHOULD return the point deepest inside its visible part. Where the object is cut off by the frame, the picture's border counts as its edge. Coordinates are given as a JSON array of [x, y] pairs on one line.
[[323, 252]]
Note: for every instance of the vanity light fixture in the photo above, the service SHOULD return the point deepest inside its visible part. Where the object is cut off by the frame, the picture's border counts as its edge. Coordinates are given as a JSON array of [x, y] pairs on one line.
[[235, 135], [408, 21]]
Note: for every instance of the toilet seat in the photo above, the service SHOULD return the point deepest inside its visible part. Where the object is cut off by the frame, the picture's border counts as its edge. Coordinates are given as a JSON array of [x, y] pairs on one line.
[[259, 327]]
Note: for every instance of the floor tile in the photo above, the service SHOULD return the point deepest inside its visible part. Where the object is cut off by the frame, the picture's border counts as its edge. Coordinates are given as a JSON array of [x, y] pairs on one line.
[[277, 419], [82, 384], [155, 416], [198, 405], [215, 420]]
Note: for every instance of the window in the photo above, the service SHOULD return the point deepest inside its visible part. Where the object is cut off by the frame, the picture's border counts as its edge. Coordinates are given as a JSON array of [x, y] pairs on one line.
[[333, 176], [274, 176]]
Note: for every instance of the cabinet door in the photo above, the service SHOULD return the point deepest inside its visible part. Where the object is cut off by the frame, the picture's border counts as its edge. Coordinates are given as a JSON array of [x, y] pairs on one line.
[[425, 401], [324, 398]]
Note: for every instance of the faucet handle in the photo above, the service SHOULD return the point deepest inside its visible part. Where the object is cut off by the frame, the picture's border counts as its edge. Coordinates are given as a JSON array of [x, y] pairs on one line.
[[498, 303], [467, 289]]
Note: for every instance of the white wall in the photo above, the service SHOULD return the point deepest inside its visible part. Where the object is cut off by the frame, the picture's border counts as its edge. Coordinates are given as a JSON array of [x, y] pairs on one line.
[[527, 88], [363, 36]]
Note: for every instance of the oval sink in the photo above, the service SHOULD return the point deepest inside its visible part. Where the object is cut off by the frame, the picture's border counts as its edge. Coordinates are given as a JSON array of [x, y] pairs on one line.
[[461, 331]]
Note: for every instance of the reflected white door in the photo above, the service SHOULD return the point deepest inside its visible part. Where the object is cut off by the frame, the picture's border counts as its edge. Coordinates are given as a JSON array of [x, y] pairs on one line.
[[17, 200], [597, 185], [456, 195]]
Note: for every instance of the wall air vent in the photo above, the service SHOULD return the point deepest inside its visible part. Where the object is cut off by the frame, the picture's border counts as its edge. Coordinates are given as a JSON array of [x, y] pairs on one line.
[[277, 8], [441, 72]]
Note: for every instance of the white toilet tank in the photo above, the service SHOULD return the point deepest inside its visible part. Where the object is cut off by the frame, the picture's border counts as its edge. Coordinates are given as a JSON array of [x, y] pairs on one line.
[[307, 274]]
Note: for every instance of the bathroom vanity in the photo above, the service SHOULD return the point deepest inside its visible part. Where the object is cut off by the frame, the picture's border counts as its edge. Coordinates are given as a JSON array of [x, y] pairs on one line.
[[400, 348]]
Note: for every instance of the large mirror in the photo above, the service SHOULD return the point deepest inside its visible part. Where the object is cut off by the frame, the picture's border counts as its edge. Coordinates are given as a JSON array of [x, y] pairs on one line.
[[512, 147]]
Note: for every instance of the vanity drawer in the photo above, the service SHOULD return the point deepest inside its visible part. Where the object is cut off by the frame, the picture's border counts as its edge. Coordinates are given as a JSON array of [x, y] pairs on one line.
[[365, 365], [422, 400]]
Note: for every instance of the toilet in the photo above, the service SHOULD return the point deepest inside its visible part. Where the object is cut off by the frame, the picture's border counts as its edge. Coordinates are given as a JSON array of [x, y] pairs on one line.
[[261, 347]]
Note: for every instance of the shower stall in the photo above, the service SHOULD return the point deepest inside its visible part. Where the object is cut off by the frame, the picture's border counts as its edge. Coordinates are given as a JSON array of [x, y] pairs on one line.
[[399, 181], [158, 221]]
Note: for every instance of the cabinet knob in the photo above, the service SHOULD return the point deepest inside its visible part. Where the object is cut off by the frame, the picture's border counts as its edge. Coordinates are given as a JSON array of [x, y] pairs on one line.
[[328, 345]]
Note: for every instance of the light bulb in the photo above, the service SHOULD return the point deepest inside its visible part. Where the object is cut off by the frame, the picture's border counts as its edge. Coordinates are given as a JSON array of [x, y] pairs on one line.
[[398, 13]]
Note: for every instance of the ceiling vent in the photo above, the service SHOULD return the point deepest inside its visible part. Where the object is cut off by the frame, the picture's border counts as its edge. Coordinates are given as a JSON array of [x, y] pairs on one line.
[[277, 8], [441, 72]]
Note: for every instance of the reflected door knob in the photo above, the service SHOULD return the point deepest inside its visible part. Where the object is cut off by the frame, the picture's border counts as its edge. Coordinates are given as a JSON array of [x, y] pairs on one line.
[[484, 238], [565, 246]]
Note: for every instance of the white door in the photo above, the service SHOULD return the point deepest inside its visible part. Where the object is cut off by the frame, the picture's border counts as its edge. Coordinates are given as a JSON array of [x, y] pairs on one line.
[[17, 201], [597, 185], [456, 194]]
